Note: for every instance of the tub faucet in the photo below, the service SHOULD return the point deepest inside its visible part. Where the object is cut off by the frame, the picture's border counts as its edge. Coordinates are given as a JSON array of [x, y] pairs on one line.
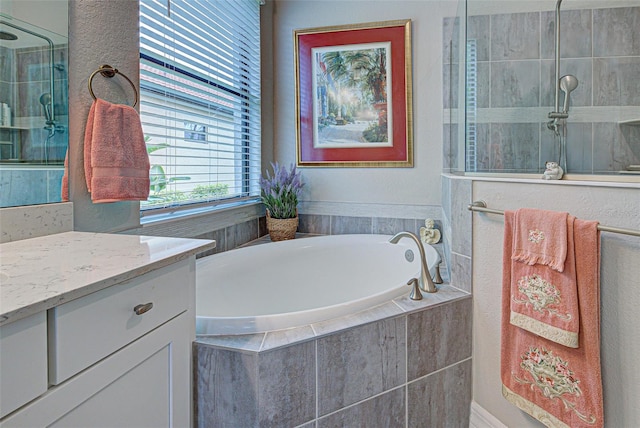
[[425, 282]]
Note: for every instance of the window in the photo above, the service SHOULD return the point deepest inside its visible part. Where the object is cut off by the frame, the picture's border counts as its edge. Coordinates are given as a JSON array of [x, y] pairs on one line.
[[200, 101]]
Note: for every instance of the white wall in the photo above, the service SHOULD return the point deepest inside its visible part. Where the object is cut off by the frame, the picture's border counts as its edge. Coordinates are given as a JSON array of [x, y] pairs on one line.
[[416, 186], [620, 293]]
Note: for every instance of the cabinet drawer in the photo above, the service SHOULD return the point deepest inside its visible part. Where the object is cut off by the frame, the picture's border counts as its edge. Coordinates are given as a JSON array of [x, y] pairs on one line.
[[88, 329], [23, 361]]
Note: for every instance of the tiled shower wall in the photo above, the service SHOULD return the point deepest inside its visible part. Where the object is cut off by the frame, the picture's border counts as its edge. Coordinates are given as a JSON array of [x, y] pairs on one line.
[[515, 89], [24, 77]]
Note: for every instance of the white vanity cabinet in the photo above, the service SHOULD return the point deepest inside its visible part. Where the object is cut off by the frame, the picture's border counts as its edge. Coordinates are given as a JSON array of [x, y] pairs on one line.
[[119, 356]]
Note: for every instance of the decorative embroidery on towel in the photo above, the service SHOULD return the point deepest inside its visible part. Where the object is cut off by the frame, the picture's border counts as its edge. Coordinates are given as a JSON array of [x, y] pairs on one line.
[[552, 376], [536, 236], [540, 295]]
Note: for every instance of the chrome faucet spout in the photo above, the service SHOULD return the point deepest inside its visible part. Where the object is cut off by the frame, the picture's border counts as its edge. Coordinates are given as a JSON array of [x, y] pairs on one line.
[[425, 282]]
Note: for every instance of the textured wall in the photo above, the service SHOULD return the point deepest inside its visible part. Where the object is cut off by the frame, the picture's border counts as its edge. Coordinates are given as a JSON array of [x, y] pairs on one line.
[[620, 295], [418, 185], [100, 32]]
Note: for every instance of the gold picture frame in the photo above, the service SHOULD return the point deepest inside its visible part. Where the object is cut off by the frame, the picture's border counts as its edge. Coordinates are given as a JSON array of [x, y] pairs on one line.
[[353, 90]]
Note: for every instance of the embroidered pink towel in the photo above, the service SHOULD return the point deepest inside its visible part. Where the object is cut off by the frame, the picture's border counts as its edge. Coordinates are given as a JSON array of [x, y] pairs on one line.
[[544, 301], [116, 163], [559, 386], [540, 237]]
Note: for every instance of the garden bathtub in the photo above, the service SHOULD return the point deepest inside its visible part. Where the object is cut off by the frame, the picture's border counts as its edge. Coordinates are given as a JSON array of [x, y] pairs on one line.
[[292, 283]]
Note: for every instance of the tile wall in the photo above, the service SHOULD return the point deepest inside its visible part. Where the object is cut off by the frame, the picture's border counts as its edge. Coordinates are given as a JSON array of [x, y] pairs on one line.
[[393, 370], [515, 89], [21, 86]]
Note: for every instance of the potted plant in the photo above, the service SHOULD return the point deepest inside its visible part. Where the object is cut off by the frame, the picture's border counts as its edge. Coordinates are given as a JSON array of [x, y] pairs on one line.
[[280, 193]]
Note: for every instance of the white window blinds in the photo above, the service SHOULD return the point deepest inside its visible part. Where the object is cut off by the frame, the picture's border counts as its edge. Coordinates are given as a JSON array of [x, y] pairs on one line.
[[200, 100]]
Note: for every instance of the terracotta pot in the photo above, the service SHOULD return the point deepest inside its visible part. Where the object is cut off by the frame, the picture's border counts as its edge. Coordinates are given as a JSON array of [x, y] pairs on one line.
[[281, 229]]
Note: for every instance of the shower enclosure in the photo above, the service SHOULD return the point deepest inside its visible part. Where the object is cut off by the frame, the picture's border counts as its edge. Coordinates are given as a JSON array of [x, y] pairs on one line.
[[511, 104], [33, 112]]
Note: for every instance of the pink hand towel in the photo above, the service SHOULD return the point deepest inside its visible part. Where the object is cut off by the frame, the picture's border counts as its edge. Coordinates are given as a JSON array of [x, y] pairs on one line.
[[559, 386], [116, 162], [544, 301], [64, 192], [540, 237]]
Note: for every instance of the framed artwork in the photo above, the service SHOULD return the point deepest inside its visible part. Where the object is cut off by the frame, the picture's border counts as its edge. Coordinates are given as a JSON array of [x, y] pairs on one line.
[[354, 95]]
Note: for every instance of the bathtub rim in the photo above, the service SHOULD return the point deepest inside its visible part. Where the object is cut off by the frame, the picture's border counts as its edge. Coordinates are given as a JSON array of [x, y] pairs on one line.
[[207, 326]]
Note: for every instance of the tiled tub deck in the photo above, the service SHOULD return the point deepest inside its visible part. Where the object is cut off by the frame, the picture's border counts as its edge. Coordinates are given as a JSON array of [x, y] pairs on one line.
[[402, 364]]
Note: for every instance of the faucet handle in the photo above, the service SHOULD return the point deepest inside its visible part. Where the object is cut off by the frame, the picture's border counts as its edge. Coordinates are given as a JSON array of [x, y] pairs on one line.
[[415, 293], [437, 279]]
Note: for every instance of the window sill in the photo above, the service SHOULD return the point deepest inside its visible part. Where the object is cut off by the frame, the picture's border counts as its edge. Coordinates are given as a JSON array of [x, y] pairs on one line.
[[188, 214]]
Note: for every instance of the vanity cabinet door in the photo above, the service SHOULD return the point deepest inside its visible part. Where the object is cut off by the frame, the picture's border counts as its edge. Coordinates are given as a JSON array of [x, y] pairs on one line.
[[145, 384]]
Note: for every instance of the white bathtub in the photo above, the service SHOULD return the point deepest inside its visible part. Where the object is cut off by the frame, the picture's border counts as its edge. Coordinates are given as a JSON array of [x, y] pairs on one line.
[[302, 281]]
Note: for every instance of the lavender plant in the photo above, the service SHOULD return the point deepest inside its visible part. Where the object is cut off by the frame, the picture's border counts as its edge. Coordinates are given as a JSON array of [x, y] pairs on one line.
[[280, 192]]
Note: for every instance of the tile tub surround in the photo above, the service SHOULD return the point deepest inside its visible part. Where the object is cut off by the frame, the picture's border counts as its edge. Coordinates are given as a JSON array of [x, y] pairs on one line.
[[74, 264], [411, 360]]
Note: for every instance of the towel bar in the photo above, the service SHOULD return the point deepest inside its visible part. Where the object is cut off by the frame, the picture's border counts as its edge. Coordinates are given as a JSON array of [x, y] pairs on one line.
[[481, 206], [108, 71]]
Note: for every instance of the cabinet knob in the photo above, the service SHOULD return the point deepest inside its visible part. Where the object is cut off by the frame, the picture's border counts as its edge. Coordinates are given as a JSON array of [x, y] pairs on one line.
[[141, 309]]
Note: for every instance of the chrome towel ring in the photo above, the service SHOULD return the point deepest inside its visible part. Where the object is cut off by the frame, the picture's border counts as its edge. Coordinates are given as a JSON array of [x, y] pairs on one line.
[[108, 71]]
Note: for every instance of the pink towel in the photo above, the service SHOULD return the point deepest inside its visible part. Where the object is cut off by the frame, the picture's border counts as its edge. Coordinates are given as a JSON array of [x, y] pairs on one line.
[[544, 301], [559, 386], [116, 163], [65, 179], [540, 237]]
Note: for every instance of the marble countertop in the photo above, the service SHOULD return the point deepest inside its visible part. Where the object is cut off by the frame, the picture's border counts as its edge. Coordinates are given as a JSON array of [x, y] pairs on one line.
[[41, 273]]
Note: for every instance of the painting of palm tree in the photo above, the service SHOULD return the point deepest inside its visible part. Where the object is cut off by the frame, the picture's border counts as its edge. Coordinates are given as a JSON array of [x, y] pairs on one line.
[[351, 100]]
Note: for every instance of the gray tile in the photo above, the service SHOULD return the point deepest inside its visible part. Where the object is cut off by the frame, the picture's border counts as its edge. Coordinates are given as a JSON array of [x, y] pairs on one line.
[[515, 36], [287, 386], [575, 34], [240, 234], [224, 388], [235, 342], [376, 313], [450, 85], [581, 96], [308, 425], [438, 337], [483, 85], [616, 82], [461, 217], [279, 338], [442, 399], [614, 148], [461, 272], [54, 185], [391, 226], [450, 147], [478, 30], [515, 147], [341, 225], [216, 235], [515, 84], [445, 294], [360, 363], [450, 38], [485, 149], [313, 223], [579, 147], [384, 411], [615, 31]]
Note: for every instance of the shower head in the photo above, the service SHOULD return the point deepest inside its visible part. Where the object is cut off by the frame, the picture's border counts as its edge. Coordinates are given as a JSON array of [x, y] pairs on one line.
[[45, 100], [568, 83], [7, 36]]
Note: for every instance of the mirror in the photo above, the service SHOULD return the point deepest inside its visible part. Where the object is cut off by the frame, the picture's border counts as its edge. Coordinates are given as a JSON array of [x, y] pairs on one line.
[[33, 100]]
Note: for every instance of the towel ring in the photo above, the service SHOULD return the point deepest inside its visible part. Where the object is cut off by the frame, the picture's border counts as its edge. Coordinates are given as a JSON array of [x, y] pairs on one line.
[[108, 71]]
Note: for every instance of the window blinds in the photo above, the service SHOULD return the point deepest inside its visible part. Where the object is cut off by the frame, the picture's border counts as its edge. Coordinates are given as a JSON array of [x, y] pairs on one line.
[[200, 99]]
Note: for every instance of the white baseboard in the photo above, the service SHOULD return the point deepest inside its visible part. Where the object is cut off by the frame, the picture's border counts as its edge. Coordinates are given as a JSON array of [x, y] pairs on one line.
[[481, 418]]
